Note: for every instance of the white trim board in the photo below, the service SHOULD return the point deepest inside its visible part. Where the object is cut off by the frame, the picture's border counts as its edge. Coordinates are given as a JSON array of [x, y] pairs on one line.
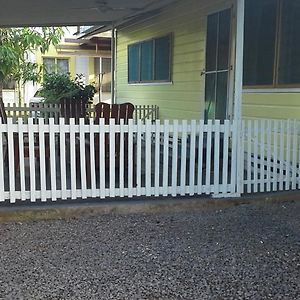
[[271, 91]]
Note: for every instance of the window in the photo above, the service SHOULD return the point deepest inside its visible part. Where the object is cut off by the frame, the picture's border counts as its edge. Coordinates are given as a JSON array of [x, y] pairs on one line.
[[149, 61], [9, 84], [56, 65], [103, 73], [272, 46]]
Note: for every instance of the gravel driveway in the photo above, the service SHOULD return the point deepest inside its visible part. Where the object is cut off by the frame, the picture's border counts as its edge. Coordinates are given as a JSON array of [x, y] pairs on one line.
[[243, 252]]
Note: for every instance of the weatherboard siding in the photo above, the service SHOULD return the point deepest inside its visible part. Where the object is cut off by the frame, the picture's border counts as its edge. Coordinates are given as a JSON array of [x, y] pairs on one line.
[[183, 98], [283, 105]]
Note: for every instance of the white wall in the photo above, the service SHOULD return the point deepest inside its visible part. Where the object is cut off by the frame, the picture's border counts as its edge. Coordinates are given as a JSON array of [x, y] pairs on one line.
[[82, 67]]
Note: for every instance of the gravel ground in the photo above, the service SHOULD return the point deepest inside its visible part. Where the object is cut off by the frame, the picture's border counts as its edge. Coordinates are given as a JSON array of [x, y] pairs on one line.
[[243, 252]]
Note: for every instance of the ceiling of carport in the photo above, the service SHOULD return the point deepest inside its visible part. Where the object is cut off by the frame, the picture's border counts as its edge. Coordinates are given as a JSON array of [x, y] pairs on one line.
[[73, 12]]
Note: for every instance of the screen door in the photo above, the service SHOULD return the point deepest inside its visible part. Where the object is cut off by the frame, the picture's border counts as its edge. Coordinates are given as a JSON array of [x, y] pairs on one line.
[[217, 65]]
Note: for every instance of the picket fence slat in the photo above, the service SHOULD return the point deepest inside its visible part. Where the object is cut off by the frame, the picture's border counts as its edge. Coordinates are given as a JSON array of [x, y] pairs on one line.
[[288, 156], [122, 155], [21, 159], [294, 155], [148, 155], [11, 161], [166, 158], [2, 162], [175, 158], [157, 158], [200, 157], [130, 159], [73, 158], [92, 159], [63, 169], [192, 158], [216, 157], [138, 158], [275, 158], [82, 159], [53, 159], [225, 156], [32, 160], [101, 158], [112, 157], [183, 158]]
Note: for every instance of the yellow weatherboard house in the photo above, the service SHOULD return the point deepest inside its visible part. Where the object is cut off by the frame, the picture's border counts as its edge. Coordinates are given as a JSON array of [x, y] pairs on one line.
[[183, 59], [88, 57]]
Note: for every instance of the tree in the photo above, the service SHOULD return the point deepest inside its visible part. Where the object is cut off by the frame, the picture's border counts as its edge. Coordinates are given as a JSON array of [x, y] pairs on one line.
[[16, 44]]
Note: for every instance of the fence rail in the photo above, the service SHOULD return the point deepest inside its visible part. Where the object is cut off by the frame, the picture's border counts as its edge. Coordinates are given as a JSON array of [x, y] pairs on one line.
[[47, 111], [69, 161]]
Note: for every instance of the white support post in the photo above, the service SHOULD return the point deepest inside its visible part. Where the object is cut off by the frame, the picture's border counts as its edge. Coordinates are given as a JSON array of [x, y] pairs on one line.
[[113, 63], [238, 90], [239, 55]]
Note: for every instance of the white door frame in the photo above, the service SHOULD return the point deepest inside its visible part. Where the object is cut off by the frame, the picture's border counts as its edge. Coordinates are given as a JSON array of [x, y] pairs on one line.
[[230, 84], [235, 82]]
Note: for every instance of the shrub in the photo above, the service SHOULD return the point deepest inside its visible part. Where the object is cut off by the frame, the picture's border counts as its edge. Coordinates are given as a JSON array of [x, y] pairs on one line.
[[56, 87]]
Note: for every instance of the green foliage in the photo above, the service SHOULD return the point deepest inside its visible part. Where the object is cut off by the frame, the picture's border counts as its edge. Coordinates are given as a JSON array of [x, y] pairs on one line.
[[56, 87], [15, 46]]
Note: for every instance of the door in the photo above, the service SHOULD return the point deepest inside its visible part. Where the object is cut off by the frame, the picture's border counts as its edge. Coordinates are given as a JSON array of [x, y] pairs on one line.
[[218, 54]]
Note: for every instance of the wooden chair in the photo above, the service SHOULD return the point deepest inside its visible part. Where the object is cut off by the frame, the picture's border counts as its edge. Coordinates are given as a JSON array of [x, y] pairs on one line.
[[117, 112], [114, 111], [3, 117], [70, 108]]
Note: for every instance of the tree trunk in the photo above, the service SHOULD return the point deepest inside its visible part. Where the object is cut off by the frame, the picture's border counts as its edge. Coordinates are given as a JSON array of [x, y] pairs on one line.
[[1, 89]]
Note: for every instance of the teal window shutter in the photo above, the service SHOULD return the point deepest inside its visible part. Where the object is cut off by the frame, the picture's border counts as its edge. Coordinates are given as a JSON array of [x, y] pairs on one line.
[[133, 63], [162, 59]]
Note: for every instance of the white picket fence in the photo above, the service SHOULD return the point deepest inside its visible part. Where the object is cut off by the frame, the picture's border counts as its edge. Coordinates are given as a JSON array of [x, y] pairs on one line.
[[271, 154], [54, 161], [155, 159]]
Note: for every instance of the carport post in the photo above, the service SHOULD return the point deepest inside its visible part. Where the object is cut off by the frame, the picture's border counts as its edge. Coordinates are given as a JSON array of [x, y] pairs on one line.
[[113, 57], [239, 55], [238, 92]]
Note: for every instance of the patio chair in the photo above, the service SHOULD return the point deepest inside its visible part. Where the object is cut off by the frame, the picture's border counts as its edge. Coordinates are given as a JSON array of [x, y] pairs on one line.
[[16, 158], [70, 108], [117, 112]]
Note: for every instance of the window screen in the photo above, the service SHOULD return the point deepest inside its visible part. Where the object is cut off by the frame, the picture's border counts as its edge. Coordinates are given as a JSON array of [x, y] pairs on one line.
[[260, 35], [272, 44], [63, 66], [149, 61], [289, 63], [49, 65], [56, 65]]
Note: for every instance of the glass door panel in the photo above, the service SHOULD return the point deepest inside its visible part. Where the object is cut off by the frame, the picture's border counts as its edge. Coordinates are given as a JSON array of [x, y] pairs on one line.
[[217, 65]]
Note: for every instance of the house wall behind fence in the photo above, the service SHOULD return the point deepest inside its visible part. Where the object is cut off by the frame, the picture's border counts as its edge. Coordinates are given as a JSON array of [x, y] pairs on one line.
[[184, 97], [271, 105]]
